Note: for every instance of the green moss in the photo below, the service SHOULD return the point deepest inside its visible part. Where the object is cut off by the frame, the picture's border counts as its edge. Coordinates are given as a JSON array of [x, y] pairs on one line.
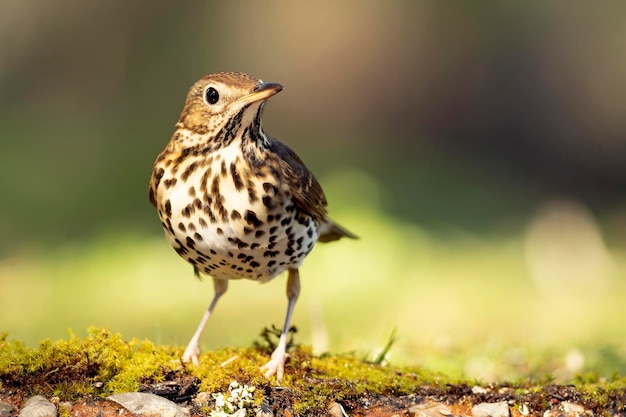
[[64, 410], [103, 363]]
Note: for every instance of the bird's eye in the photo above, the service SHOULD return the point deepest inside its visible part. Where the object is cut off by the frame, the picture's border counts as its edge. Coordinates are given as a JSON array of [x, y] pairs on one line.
[[212, 96]]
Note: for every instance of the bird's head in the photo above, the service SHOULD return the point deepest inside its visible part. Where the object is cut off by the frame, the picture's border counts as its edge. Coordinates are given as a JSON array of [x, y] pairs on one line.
[[224, 103]]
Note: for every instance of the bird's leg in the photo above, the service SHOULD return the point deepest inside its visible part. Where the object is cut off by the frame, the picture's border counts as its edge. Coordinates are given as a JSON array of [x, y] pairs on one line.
[[276, 365], [193, 348]]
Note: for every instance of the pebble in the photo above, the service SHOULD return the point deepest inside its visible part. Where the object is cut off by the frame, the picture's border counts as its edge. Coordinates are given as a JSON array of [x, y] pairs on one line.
[[499, 409], [479, 390], [7, 410], [154, 405], [429, 409], [336, 410], [150, 404], [38, 406], [202, 399], [568, 409]]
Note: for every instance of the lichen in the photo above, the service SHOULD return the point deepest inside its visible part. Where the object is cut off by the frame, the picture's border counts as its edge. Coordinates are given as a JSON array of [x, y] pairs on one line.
[[236, 402]]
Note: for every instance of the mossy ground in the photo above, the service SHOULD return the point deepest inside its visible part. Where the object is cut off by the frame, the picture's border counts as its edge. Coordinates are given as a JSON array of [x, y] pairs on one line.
[[104, 363]]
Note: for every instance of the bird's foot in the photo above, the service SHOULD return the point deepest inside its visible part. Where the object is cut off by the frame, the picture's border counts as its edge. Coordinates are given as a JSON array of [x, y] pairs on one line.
[[276, 365], [191, 353]]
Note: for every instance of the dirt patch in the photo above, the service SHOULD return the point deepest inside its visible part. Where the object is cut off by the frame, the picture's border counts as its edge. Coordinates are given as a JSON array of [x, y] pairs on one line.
[[282, 401]]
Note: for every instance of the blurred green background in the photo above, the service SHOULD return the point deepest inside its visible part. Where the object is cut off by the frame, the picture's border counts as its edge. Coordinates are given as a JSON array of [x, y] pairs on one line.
[[479, 150]]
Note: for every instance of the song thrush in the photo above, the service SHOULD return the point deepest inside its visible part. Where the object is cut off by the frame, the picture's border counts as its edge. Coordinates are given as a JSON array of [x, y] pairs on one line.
[[235, 202]]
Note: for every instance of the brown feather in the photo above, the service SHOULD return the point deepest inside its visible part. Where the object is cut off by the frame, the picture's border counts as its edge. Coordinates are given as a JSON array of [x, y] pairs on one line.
[[306, 191], [333, 231]]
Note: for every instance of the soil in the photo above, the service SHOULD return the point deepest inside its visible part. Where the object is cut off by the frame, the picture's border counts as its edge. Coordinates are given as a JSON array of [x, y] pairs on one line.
[[281, 400]]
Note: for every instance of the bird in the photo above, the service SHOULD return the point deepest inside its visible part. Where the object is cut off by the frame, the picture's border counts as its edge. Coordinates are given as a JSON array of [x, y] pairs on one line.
[[235, 202]]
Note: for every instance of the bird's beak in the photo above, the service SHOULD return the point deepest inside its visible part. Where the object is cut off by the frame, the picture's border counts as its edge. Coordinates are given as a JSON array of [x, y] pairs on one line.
[[262, 92]]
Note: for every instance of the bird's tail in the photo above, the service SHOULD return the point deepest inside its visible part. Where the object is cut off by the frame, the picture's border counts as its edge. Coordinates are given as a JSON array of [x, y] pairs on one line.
[[330, 231]]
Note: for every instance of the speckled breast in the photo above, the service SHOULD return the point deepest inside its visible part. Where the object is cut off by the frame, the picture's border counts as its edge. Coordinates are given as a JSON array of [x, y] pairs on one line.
[[231, 220]]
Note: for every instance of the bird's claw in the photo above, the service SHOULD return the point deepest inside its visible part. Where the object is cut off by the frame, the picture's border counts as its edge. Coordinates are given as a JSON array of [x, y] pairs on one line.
[[191, 354], [276, 365]]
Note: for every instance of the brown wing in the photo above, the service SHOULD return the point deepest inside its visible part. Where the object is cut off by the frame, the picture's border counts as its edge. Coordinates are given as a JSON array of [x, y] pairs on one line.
[[307, 192]]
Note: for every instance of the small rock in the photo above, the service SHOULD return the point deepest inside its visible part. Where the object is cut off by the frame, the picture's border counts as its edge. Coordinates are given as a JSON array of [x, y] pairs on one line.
[[7, 410], [568, 409], [500, 409], [336, 410], [149, 404], [38, 406], [202, 399], [479, 390], [574, 409], [430, 409]]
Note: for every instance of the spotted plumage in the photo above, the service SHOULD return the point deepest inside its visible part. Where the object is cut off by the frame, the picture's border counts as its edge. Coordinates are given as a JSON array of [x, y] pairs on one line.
[[235, 202]]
